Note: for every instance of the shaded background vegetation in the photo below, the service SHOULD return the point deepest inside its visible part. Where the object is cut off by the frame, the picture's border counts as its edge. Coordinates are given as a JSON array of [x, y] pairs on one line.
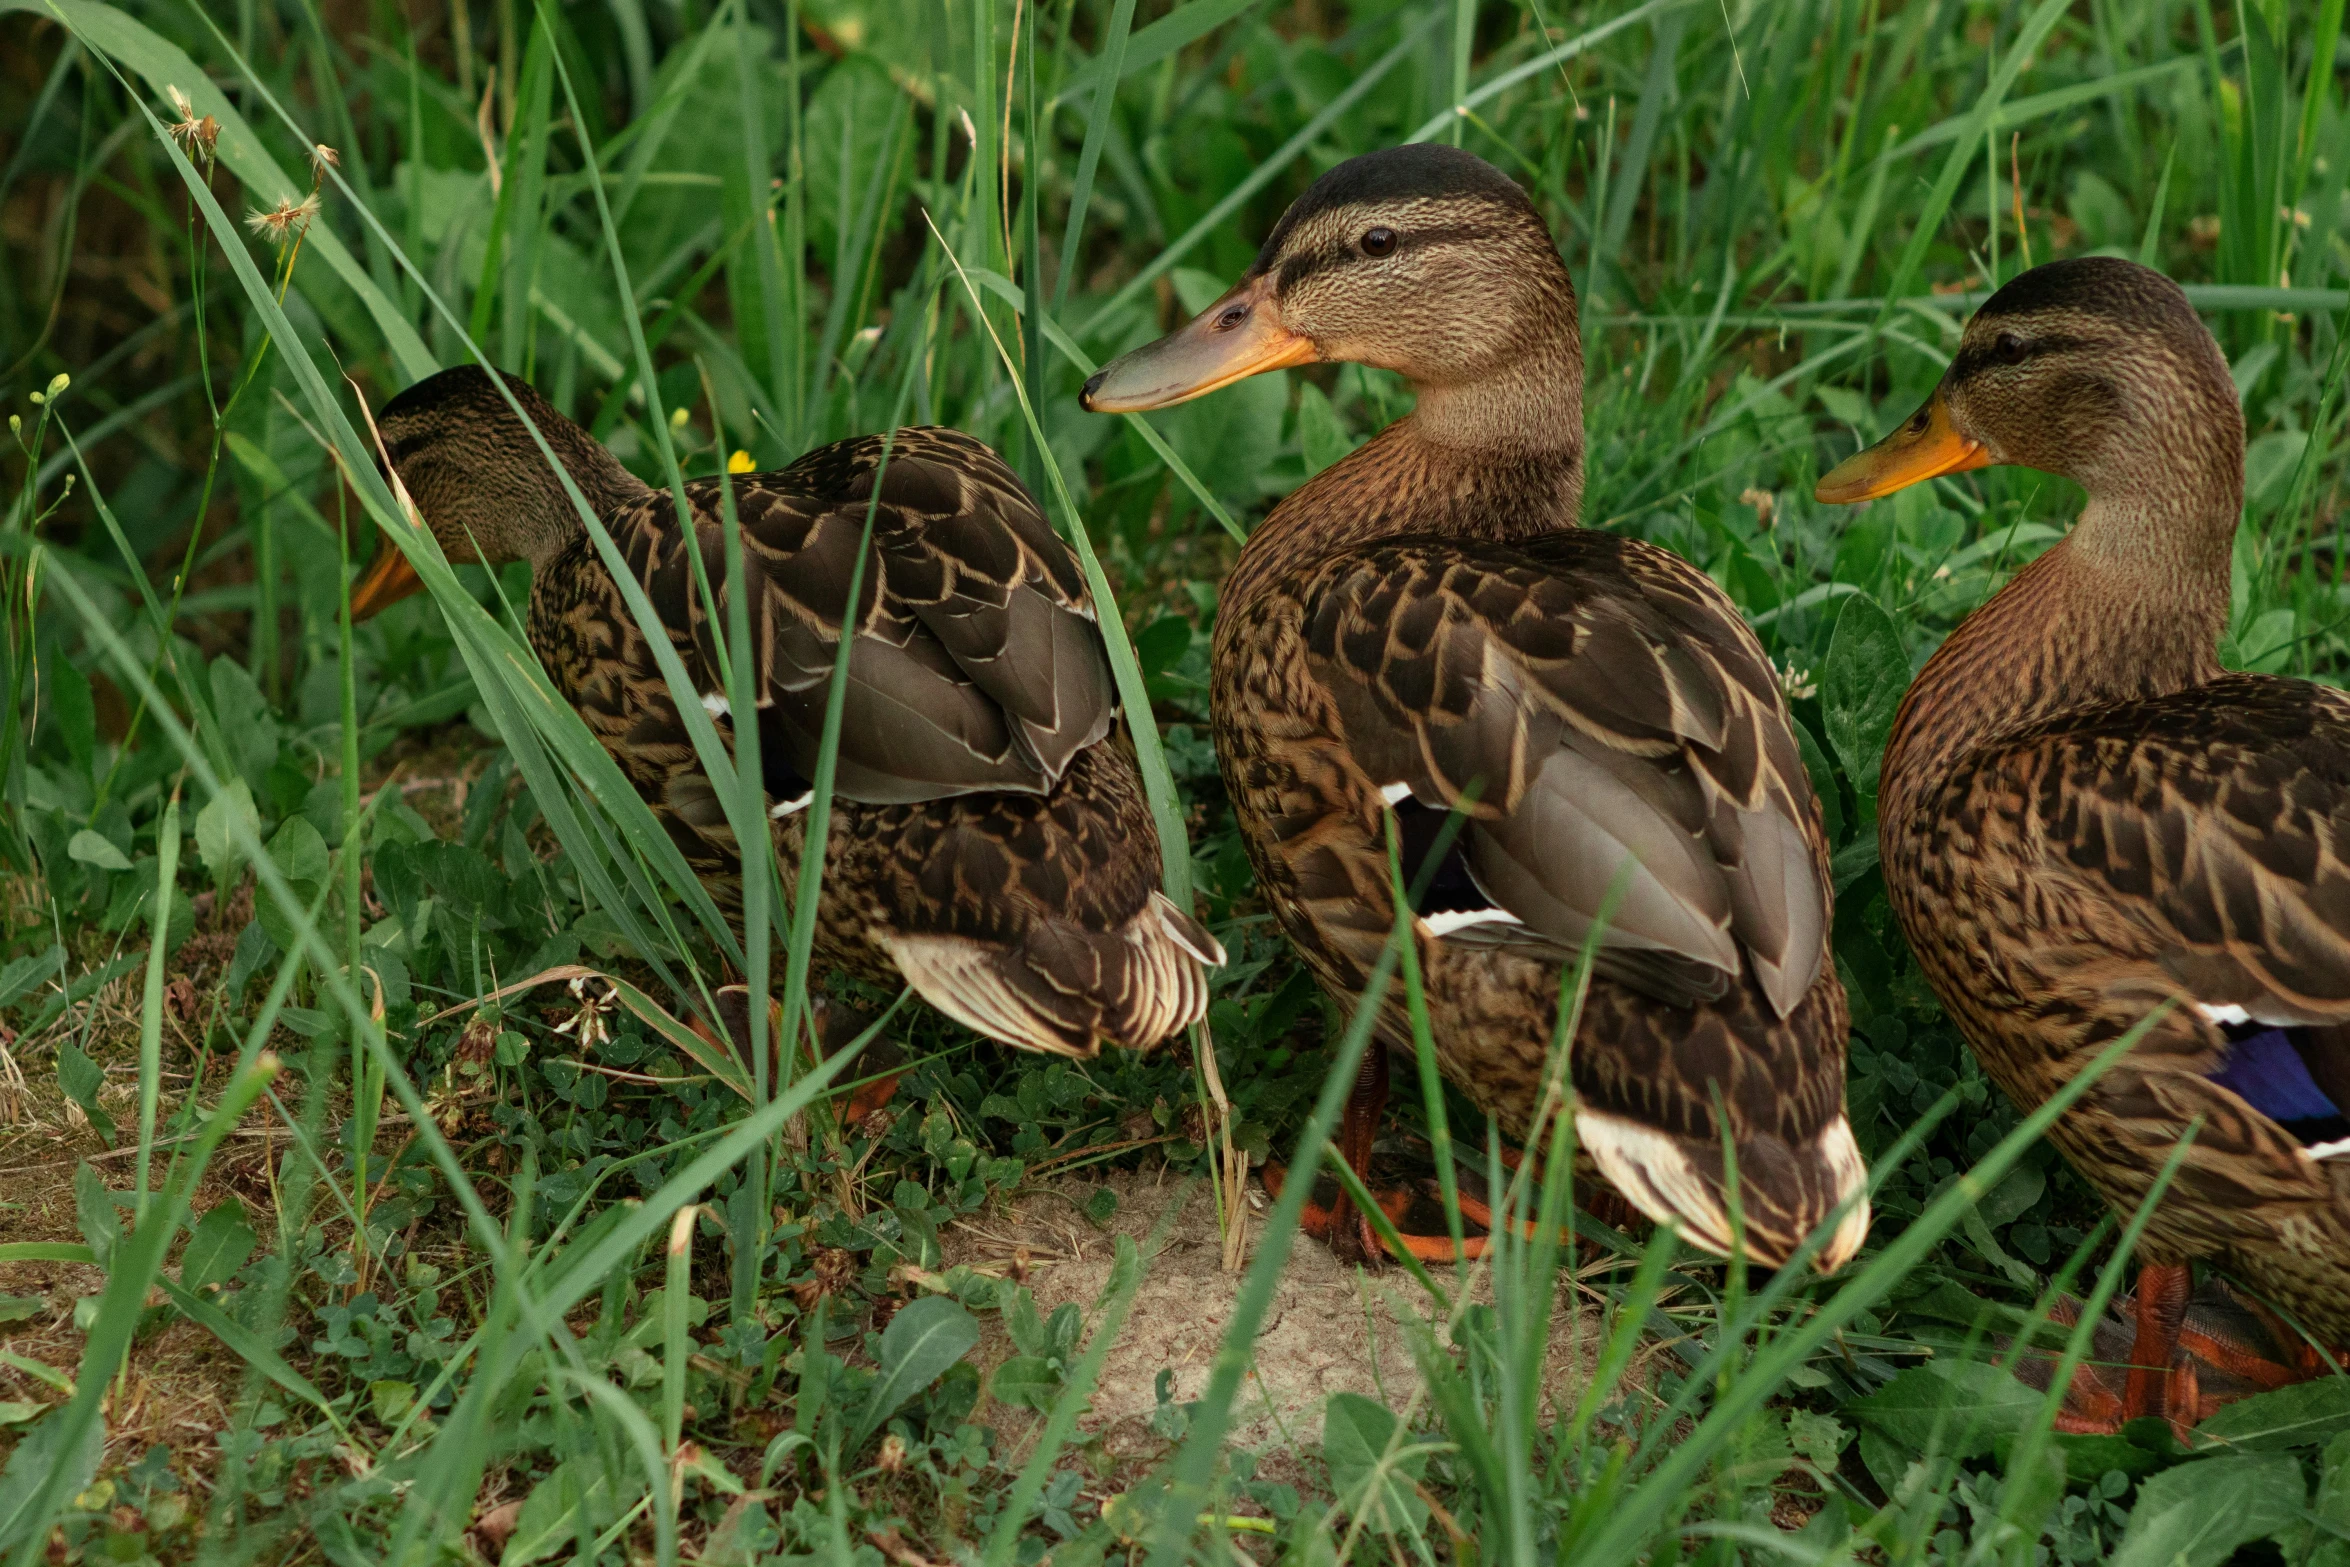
[[759, 227]]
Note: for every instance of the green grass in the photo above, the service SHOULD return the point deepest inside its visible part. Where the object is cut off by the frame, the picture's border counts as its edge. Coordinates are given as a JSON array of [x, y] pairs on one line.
[[380, 1254]]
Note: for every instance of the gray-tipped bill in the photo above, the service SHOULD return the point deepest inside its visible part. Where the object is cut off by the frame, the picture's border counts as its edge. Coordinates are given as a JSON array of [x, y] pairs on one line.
[[1239, 335]]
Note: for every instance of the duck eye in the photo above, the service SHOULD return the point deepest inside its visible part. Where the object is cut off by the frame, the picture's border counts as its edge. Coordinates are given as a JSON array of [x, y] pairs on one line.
[[2009, 349], [1379, 241]]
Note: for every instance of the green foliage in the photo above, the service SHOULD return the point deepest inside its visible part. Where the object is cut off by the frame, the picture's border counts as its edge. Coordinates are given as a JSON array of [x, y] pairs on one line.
[[710, 227], [1372, 1477], [1861, 686], [2198, 1513]]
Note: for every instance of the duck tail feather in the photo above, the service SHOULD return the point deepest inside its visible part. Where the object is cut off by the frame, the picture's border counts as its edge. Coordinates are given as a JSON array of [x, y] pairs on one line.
[[979, 985], [1784, 1194], [1186, 932], [1066, 991]]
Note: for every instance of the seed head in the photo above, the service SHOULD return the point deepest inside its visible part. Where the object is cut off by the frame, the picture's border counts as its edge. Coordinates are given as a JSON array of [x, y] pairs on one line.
[[198, 137], [287, 221], [323, 158]]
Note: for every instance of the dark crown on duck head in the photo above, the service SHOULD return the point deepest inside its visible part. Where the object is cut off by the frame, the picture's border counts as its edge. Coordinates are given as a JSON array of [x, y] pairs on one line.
[[2087, 301], [1398, 178]]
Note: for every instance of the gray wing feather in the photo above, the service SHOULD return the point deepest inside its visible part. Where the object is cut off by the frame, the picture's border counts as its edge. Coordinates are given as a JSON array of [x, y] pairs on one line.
[[1596, 708], [977, 667]]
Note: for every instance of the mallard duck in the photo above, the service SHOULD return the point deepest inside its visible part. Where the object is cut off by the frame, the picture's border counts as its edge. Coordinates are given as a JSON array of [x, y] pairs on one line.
[[2086, 822], [990, 842], [1424, 630]]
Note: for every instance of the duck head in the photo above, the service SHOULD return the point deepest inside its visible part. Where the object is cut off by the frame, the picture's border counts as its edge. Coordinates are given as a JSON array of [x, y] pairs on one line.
[[479, 480], [2096, 369], [1423, 259]]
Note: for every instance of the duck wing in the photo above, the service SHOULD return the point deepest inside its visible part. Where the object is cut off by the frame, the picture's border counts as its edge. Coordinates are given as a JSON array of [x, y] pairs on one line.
[[1595, 709], [977, 665], [2193, 847], [2213, 824]]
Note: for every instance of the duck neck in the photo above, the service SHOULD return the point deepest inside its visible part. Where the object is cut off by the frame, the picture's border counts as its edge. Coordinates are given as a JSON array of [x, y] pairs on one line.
[[1499, 459], [1529, 408], [2129, 606]]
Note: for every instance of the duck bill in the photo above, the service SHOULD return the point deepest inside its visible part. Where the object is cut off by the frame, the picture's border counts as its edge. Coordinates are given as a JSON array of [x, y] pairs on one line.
[[1239, 335], [389, 579], [1927, 446]]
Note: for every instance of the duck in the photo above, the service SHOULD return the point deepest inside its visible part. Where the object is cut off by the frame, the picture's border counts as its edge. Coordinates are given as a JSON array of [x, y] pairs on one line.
[[2088, 825], [990, 843], [1422, 635]]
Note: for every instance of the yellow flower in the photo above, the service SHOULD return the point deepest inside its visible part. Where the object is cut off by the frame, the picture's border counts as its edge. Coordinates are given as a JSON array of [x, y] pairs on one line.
[[740, 462]]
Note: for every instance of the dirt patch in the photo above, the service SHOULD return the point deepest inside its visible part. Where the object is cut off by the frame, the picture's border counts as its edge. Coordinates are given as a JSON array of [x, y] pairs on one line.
[[1331, 1329], [180, 1382]]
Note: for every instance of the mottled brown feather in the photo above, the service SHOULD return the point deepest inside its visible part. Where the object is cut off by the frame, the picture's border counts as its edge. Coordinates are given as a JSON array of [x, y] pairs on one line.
[[1427, 614], [2085, 819], [990, 841]]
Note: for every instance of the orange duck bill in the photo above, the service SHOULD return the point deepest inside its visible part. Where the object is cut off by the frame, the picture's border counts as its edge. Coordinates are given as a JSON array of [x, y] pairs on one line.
[[1926, 447], [389, 579], [1238, 336]]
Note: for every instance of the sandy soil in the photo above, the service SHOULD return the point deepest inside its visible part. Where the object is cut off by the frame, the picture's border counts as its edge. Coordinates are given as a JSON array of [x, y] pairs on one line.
[[1331, 1329]]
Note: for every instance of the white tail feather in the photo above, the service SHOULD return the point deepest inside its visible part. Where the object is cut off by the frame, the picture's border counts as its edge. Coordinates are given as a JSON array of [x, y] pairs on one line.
[[965, 980], [1157, 988], [1842, 1155], [1172, 922], [1656, 1177]]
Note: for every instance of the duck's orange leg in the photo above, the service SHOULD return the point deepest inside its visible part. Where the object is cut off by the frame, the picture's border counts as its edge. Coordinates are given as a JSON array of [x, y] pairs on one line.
[[2223, 1346], [1357, 1132], [1358, 1241], [1347, 1232], [2090, 1407], [1602, 1202], [2163, 1288], [2309, 1361]]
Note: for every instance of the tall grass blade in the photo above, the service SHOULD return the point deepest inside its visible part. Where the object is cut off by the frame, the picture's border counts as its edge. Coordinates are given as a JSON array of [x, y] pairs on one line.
[[1112, 66], [1414, 37], [1967, 137], [1133, 695], [107, 30], [167, 864], [1194, 1462]]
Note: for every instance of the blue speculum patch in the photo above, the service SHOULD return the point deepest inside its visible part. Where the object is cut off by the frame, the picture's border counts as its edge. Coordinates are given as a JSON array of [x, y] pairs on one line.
[[2265, 1068]]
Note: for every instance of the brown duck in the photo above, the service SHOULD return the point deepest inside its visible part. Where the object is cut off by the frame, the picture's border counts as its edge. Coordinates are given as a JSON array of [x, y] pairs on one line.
[[990, 843], [2086, 821], [1423, 630]]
